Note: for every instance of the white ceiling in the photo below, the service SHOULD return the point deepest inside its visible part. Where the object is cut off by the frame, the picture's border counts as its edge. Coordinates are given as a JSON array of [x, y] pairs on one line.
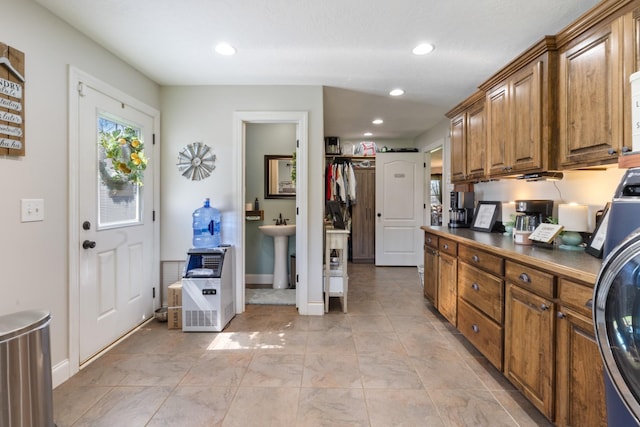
[[357, 49]]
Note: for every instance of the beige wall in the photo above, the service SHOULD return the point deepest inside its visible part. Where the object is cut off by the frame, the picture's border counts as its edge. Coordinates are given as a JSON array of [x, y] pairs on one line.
[[206, 114]]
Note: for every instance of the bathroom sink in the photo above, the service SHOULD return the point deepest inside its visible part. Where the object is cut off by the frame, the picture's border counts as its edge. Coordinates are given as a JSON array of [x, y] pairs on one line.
[[280, 234], [278, 230]]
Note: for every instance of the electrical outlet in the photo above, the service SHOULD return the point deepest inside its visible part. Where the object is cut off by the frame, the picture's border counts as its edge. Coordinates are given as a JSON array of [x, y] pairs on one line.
[[32, 210]]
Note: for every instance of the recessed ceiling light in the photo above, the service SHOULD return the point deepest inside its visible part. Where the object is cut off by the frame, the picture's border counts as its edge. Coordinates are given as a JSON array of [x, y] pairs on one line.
[[377, 121], [225, 49], [423, 49], [368, 134], [396, 92]]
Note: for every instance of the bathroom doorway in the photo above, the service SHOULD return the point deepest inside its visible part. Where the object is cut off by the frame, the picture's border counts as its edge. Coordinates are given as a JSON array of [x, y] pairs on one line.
[[262, 142], [294, 123]]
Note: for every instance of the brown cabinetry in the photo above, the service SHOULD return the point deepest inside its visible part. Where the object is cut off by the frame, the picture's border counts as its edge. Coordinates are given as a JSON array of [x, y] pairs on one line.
[[529, 334], [519, 113], [448, 280], [363, 226], [431, 272], [528, 346], [590, 104], [598, 53], [580, 399], [531, 321], [481, 301], [468, 136]]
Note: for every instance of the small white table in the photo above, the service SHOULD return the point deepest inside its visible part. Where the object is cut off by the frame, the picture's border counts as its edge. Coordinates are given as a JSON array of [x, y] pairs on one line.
[[336, 280]]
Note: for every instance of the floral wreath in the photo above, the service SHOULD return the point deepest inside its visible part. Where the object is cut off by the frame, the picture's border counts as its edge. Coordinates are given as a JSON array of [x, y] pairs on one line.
[[126, 152]]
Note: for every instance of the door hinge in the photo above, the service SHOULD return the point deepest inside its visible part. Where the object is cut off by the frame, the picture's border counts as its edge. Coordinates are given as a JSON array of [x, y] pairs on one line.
[[297, 210], [153, 216], [297, 143], [424, 165], [81, 89], [154, 292], [297, 276], [153, 139]]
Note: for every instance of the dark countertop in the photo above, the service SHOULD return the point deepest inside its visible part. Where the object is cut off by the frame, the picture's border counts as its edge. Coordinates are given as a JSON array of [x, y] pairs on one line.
[[570, 264]]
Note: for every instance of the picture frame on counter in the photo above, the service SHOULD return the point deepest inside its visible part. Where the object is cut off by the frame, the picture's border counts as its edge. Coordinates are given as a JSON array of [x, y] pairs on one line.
[[595, 246], [485, 216], [546, 233]]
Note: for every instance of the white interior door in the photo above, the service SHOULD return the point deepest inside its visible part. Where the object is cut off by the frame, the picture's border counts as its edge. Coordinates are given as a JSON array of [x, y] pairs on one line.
[[116, 235], [399, 208]]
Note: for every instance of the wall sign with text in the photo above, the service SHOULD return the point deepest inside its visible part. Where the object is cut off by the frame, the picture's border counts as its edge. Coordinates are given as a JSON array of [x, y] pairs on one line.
[[12, 83]]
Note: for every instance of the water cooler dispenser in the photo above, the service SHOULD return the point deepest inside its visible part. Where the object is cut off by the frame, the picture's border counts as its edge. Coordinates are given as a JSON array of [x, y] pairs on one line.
[[208, 294]]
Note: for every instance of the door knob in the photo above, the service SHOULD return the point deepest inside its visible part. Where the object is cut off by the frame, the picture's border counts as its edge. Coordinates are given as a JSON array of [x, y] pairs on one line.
[[88, 244], [379, 214]]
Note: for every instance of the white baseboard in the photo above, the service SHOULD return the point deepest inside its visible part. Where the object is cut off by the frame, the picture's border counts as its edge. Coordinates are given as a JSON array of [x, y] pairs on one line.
[[315, 309], [258, 279], [60, 373]]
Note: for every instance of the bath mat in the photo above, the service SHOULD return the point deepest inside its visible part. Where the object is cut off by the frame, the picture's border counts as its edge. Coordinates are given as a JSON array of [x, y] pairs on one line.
[[270, 296]]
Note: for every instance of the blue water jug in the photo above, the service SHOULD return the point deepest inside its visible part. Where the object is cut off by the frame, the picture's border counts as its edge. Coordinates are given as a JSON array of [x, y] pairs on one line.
[[206, 226]]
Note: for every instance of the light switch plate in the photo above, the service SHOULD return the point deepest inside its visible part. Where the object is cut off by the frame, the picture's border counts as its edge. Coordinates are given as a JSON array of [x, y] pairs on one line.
[[32, 210]]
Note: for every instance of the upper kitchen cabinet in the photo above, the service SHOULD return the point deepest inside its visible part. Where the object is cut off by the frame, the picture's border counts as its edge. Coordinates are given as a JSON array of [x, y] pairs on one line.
[[596, 57], [468, 161], [519, 113]]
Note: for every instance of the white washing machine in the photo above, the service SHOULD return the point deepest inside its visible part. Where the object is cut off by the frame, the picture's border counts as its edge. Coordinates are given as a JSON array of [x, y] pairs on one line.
[[208, 294]]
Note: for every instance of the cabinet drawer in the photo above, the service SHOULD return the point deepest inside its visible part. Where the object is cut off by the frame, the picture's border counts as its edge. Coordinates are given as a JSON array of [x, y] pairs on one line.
[[484, 334], [576, 295], [448, 246], [431, 240], [482, 260], [529, 278], [482, 290]]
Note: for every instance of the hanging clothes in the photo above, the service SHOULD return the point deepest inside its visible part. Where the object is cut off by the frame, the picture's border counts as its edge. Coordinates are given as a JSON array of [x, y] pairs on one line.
[[340, 182]]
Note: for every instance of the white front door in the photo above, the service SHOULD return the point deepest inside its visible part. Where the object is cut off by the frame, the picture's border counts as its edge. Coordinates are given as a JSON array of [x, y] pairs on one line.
[[116, 233], [399, 208]]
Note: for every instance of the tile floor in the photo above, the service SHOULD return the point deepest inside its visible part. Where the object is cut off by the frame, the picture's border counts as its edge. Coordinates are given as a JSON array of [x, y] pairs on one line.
[[391, 361]]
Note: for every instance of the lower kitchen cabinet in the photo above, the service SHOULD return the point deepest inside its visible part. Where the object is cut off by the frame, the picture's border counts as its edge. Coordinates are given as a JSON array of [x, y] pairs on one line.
[[448, 282], [580, 399], [528, 346], [481, 331], [431, 272], [480, 307], [505, 305]]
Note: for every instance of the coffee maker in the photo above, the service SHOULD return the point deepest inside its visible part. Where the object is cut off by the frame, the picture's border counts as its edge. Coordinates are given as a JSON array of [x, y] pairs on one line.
[[529, 215], [461, 211]]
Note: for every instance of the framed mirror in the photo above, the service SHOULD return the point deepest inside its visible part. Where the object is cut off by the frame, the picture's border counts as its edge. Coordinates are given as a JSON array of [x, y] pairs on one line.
[[278, 180]]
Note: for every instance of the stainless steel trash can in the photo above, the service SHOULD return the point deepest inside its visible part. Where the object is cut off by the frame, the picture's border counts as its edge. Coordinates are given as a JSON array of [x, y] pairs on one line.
[[25, 370]]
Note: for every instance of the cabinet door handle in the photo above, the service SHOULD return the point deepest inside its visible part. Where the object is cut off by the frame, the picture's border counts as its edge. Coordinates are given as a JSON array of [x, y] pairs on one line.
[[428, 239], [475, 328], [475, 258], [475, 287], [589, 304], [544, 307], [445, 246], [611, 151], [626, 149], [525, 278], [561, 315]]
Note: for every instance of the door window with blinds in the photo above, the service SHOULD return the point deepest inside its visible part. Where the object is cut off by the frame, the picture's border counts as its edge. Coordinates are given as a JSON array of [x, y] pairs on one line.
[[119, 203]]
